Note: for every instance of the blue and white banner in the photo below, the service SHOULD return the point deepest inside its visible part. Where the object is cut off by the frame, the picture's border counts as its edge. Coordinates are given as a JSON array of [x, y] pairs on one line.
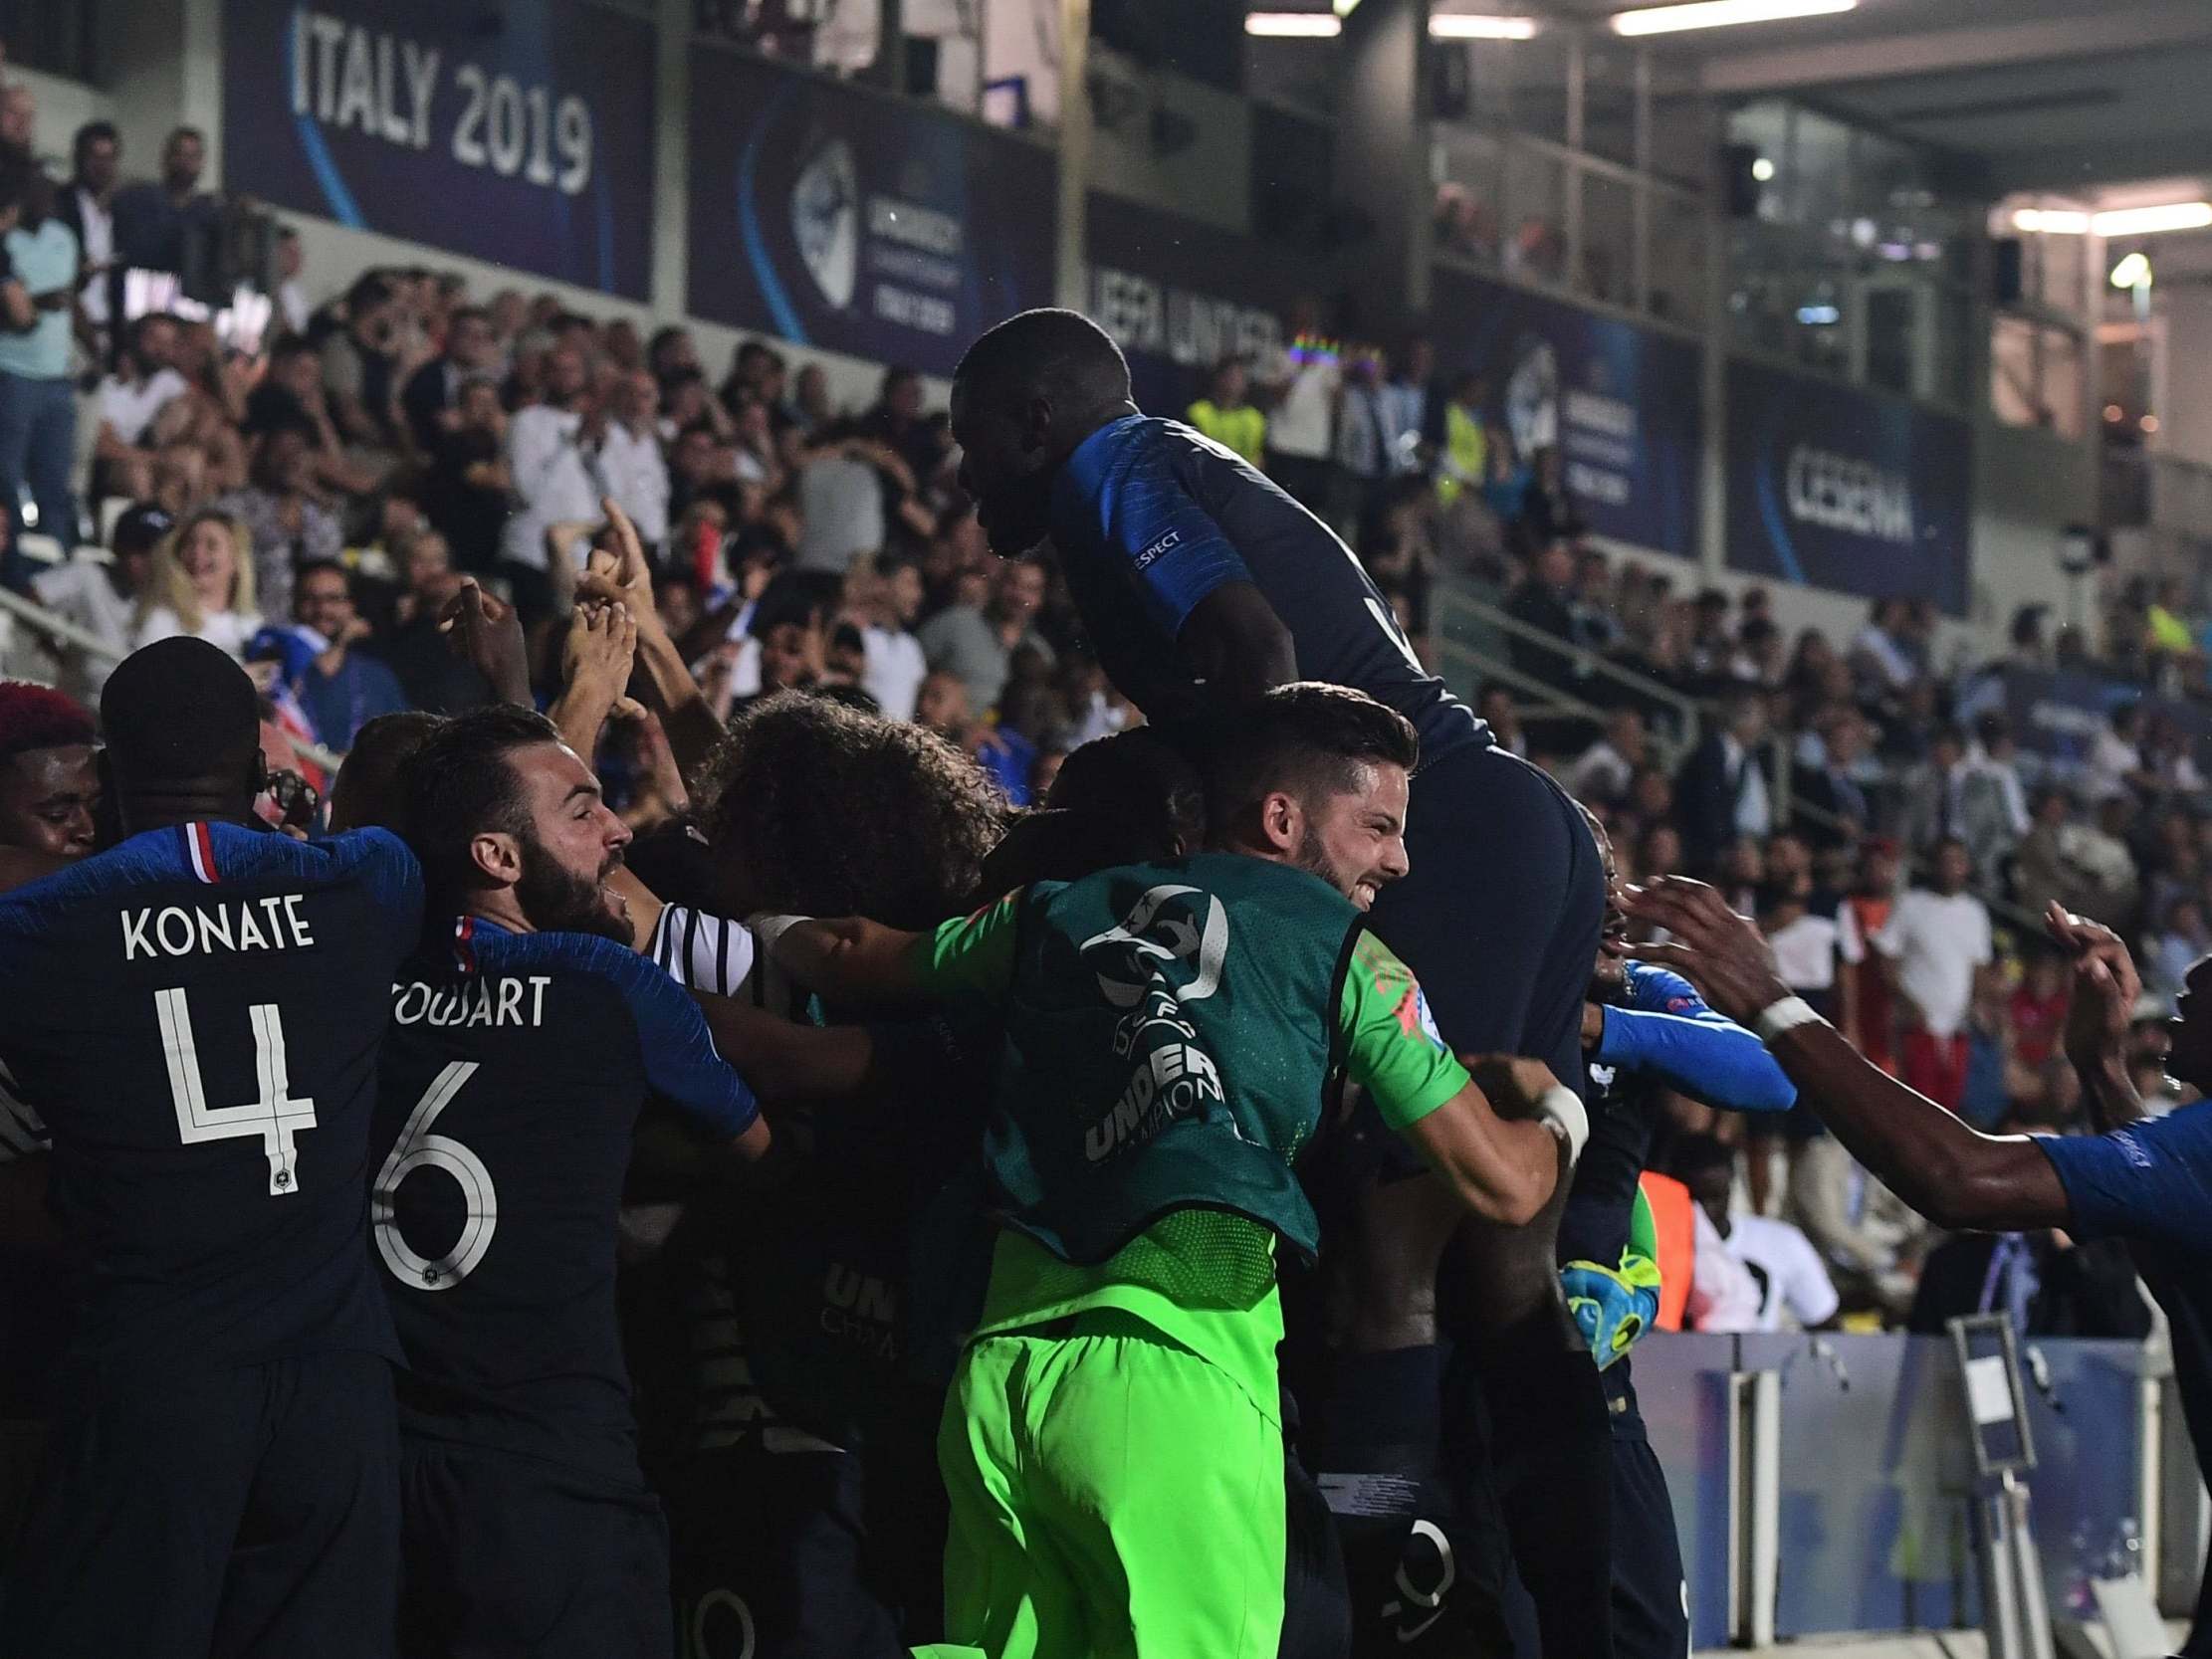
[[1620, 402], [838, 217], [519, 132], [1844, 488]]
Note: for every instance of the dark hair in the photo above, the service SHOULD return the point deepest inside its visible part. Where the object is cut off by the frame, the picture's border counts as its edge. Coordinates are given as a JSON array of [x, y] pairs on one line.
[[19, 176], [39, 717], [469, 314], [370, 787], [803, 598], [369, 291], [837, 812], [1308, 738], [1694, 1154], [183, 132], [1059, 352], [180, 712], [291, 345], [91, 133], [317, 567], [459, 783], [1134, 771]]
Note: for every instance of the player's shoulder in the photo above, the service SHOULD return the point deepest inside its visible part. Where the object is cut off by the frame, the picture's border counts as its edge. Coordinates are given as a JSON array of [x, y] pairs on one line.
[[592, 962], [1656, 990]]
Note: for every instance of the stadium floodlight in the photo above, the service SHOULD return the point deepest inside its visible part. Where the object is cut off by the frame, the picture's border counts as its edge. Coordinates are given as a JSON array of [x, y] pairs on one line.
[[2132, 272], [2142, 221], [2051, 221], [1473, 26], [1720, 14], [1313, 25]]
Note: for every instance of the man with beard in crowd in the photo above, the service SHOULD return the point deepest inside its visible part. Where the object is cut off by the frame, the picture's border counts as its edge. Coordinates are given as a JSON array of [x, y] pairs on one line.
[[522, 1043], [1201, 586]]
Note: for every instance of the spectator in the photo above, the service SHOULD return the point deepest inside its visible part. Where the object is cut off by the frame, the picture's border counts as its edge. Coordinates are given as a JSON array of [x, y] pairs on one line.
[[2035, 1012], [1932, 789], [1993, 803], [102, 599], [1880, 657], [1604, 771], [1937, 940], [343, 689], [840, 500], [1225, 413], [895, 662], [1774, 1262], [48, 787], [291, 294], [552, 451], [362, 368], [86, 207], [1463, 458], [201, 583], [1303, 383], [431, 397], [810, 405], [1841, 813], [942, 706], [38, 400], [467, 492], [1494, 703], [2115, 760], [1541, 601], [894, 422], [1807, 945], [288, 526], [1405, 403], [2180, 942], [131, 400], [630, 464], [1363, 455], [1721, 791], [1544, 513], [170, 225], [432, 675], [978, 643]]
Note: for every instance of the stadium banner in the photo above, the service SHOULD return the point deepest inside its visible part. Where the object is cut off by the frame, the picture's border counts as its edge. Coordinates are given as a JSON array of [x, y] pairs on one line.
[[1180, 295], [1844, 488], [837, 217], [521, 136], [1620, 401], [2058, 713]]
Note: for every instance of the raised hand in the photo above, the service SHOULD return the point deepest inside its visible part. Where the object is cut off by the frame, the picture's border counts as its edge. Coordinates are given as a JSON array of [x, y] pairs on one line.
[[484, 629], [1724, 954]]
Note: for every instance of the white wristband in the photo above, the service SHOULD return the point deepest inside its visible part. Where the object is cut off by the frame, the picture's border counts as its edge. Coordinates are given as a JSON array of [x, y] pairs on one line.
[[1560, 1106], [1785, 1016], [769, 928]]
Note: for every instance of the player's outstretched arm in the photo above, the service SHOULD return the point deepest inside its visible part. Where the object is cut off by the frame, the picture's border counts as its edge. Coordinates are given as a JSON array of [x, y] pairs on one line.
[[1504, 1169], [1951, 1174], [969, 959], [784, 1060]]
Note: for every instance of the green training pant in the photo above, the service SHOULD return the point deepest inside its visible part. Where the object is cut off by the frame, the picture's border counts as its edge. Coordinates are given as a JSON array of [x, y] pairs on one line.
[[1113, 1497]]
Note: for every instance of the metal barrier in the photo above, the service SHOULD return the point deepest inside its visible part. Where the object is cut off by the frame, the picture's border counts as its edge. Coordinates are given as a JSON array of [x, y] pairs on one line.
[[1823, 1483]]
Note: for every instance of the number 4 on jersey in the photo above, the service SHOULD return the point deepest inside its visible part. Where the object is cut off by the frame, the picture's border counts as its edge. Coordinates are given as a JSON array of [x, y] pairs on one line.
[[273, 1114]]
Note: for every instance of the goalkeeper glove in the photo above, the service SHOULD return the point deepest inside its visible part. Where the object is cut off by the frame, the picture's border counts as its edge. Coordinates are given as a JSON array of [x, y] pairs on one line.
[[1612, 1306]]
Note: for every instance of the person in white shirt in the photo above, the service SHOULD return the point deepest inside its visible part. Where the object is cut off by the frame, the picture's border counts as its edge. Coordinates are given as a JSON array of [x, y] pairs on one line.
[[131, 400], [2115, 762], [1937, 940], [1304, 380], [895, 665], [553, 461], [202, 584], [102, 598], [1604, 771], [630, 462], [291, 293], [1749, 1273]]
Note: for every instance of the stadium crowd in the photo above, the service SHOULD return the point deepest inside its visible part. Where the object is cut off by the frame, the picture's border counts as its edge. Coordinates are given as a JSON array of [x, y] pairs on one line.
[[397, 506]]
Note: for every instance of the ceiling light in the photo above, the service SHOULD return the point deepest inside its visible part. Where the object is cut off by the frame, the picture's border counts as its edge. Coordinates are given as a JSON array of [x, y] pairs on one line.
[[1470, 26], [1762, 170], [2142, 221], [2051, 221], [1716, 13], [1316, 26], [2149, 423], [2132, 272]]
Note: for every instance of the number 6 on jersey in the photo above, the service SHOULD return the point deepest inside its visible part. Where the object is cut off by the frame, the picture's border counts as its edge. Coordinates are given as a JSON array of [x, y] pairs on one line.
[[417, 1148]]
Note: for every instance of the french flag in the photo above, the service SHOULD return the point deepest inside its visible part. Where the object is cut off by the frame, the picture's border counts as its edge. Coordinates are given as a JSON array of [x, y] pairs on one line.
[[199, 852], [464, 946]]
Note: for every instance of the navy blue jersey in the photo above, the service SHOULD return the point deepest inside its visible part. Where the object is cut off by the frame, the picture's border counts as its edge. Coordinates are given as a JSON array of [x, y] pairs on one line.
[[1151, 516], [1662, 1035], [195, 1017], [513, 1071]]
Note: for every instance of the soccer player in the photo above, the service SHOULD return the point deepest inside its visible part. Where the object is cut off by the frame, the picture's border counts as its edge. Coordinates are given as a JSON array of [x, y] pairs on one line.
[[1200, 584], [2145, 1180], [1646, 1030], [48, 786], [521, 1044], [1112, 1446], [195, 1015]]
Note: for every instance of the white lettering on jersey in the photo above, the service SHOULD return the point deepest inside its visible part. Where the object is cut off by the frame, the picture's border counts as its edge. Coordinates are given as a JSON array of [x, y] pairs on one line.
[[493, 1001], [203, 929]]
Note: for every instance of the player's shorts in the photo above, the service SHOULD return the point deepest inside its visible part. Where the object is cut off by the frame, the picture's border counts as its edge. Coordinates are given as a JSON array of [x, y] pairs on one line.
[[507, 1555], [252, 1511], [1498, 917], [1111, 1492], [1316, 1604], [770, 1554], [1651, 1613]]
